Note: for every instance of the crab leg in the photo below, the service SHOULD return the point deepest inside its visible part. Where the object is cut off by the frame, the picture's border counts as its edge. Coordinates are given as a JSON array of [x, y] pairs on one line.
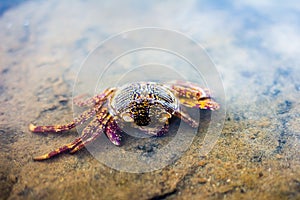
[[164, 129], [186, 118], [94, 100], [103, 119], [58, 150], [193, 96], [204, 103], [98, 102], [85, 133], [87, 140], [58, 128]]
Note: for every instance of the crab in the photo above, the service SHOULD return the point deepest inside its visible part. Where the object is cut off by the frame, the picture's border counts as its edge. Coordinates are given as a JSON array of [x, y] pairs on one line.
[[147, 106]]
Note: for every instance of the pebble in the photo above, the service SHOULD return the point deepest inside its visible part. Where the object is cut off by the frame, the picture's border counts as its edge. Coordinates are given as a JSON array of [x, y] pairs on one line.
[[202, 180], [12, 178]]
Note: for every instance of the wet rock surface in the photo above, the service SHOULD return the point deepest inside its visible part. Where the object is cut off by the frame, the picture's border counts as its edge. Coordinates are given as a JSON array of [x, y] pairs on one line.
[[43, 44]]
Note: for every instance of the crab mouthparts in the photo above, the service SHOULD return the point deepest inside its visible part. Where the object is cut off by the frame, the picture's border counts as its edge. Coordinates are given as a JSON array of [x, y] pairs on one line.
[[142, 121]]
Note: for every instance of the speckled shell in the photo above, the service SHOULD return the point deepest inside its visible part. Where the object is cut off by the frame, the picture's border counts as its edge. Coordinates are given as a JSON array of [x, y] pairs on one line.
[[153, 93]]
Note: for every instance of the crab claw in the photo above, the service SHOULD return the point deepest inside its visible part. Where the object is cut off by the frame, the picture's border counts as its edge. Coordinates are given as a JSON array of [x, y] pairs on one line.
[[112, 131], [207, 104]]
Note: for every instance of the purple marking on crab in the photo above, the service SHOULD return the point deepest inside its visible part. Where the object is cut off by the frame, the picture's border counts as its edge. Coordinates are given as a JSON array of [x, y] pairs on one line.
[[163, 131], [113, 132]]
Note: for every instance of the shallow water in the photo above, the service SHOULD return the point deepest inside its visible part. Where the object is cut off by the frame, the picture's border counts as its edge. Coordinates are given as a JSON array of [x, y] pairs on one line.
[[255, 47]]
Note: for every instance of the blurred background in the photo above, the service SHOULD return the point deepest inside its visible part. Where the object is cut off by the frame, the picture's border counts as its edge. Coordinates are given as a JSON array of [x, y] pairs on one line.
[[255, 46]]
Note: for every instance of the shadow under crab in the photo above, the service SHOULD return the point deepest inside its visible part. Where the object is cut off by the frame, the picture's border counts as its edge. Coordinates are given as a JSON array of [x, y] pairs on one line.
[[147, 106]]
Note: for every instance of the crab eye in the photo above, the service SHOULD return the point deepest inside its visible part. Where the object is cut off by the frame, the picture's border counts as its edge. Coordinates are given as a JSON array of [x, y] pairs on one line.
[[164, 116], [127, 118]]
